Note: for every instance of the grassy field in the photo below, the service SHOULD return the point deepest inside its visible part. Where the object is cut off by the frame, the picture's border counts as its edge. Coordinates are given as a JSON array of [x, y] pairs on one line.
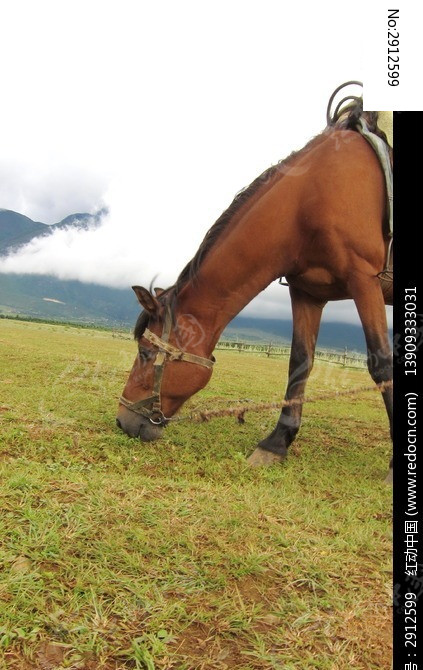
[[117, 554]]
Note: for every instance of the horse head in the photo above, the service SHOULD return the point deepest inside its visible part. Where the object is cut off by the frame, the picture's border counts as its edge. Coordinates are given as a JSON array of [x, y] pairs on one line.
[[166, 371]]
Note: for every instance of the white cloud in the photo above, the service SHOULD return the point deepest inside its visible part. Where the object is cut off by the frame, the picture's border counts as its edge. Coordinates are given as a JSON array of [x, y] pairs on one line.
[[163, 112], [48, 193], [274, 303]]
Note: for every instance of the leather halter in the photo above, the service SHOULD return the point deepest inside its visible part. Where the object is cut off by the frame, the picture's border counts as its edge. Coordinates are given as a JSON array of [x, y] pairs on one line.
[[151, 407]]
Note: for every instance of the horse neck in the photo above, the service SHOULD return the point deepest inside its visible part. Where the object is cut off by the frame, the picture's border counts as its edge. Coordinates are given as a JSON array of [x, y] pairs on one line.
[[245, 258]]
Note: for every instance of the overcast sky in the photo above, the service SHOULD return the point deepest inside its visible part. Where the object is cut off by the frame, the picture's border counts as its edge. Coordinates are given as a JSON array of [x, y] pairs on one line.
[[162, 112]]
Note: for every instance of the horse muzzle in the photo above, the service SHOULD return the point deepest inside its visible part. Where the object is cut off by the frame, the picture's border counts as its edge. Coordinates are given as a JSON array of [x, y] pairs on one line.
[[136, 425]]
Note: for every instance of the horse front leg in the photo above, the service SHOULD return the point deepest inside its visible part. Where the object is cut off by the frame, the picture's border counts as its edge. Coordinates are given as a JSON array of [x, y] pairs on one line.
[[370, 304], [306, 314]]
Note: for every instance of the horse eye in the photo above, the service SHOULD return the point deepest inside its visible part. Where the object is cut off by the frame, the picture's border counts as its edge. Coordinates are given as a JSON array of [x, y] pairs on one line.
[[145, 354]]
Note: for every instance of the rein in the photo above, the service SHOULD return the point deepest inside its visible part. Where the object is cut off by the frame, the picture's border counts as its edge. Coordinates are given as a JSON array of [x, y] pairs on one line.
[[151, 407], [238, 411]]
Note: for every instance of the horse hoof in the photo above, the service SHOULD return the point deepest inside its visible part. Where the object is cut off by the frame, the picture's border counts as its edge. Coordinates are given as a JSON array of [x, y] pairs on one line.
[[261, 457], [389, 479]]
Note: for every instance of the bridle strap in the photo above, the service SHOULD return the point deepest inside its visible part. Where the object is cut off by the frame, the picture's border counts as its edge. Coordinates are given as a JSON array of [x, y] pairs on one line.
[[175, 354], [139, 406], [167, 324]]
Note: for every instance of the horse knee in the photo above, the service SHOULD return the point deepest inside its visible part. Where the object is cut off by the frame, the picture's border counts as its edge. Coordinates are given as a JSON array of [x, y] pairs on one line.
[[380, 367]]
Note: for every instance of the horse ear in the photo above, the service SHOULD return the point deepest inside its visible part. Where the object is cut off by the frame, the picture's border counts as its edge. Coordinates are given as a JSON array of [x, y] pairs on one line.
[[146, 300], [158, 291]]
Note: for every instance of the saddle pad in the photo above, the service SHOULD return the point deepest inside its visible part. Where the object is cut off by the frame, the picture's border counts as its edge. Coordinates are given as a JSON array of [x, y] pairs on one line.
[[382, 153], [385, 123]]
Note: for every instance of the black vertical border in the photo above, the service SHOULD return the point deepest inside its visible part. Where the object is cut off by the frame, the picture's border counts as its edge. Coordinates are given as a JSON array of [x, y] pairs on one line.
[[408, 269]]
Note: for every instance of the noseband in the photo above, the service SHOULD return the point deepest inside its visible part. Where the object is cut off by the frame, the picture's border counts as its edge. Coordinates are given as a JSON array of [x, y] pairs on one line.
[[150, 407]]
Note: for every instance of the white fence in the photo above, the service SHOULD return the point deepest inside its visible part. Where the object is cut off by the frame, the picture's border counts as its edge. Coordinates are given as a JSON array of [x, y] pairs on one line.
[[345, 358]]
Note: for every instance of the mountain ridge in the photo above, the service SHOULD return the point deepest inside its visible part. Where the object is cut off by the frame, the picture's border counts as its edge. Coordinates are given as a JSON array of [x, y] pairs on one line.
[[17, 229], [42, 296]]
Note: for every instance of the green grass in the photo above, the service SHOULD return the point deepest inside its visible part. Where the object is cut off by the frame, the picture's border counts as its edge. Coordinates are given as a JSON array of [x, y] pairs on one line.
[[117, 554]]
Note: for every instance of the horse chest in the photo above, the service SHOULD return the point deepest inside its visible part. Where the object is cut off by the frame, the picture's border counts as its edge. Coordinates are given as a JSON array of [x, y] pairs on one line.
[[319, 283]]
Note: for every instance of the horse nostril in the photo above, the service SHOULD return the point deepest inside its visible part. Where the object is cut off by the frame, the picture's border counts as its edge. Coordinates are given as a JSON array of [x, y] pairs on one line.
[[118, 423]]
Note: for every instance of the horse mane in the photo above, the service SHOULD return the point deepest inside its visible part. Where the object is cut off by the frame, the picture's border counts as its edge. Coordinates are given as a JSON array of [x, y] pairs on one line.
[[141, 324], [349, 119], [190, 271]]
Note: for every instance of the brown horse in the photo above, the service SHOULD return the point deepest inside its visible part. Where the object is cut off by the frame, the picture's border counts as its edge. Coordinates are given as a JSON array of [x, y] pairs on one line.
[[318, 218]]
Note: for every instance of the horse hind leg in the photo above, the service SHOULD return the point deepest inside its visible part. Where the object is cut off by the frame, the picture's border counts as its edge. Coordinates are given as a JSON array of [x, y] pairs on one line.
[[306, 315], [369, 301]]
